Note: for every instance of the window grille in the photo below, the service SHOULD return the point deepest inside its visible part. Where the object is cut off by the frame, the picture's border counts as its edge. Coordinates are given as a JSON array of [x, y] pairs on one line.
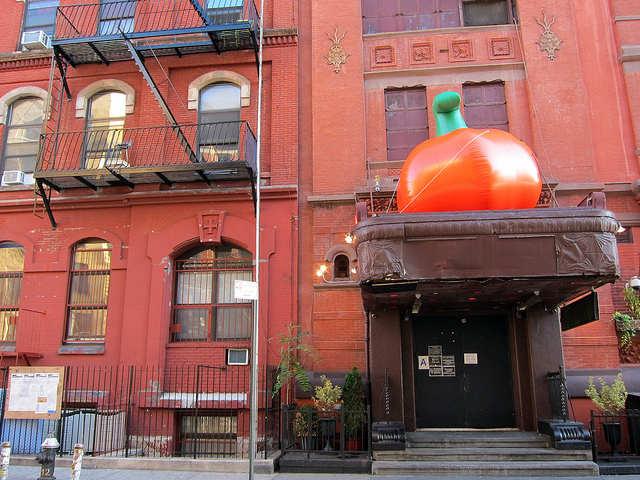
[[89, 291], [11, 267], [205, 308]]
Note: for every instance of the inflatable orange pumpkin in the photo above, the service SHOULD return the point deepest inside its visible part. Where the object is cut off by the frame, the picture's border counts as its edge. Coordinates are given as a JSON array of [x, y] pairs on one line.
[[467, 169]]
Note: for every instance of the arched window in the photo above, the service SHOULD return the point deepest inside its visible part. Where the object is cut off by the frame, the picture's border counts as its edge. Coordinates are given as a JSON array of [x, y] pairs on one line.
[[205, 308], [219, 122], [89, 291], [11, 268], [104, 123], [22, 134], [341, 270]]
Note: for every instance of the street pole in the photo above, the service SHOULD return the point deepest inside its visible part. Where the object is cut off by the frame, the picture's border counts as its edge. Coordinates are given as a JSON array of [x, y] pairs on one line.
[[253, 414]]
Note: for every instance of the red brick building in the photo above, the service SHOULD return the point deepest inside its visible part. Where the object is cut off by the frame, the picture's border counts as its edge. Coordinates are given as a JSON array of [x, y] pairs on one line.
[[144, 211], [563, 78]]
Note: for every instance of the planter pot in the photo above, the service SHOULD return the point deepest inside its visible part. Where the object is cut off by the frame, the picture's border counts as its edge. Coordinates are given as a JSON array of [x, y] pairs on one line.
[[613, 435], [306, 444], [353, 444], [328, 432]]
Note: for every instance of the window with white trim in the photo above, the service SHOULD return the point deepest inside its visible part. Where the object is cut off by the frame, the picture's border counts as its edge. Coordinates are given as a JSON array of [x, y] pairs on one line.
[[219, 122], [104, 124], [205, 308], [22, 134]]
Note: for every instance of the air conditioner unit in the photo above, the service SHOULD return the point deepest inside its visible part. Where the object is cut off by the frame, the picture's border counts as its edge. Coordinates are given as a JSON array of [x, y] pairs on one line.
[[36, 40], [238, 356], [13, 177]]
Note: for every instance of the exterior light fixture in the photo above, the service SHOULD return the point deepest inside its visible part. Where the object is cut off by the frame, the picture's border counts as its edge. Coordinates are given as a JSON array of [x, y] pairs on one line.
[[349, 238], [620, 228], [321, 271], [634, 283]]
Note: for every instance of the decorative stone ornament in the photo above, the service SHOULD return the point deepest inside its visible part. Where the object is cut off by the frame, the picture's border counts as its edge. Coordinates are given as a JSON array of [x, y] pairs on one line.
[[337, 56], [549, 42]]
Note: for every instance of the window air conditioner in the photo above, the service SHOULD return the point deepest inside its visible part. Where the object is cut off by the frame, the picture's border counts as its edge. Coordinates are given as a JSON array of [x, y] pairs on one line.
[[13, 177], [35, 40], [238, 356]]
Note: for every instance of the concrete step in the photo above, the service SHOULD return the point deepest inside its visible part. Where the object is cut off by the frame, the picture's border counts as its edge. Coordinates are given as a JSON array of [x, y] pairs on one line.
[[487, 469], [482, 454]]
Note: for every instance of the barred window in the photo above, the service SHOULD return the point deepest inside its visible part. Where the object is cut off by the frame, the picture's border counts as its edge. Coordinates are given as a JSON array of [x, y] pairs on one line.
[[11, 268], [210, 436], [205, 308], [89, 291]]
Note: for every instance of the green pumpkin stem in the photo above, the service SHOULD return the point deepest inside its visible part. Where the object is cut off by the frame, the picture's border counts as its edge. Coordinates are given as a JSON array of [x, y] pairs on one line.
[[446, 107]]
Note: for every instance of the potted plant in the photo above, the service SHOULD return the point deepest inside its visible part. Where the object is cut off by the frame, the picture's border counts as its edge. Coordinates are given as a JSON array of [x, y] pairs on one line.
[[353, 406], [327, 399], [610, 400], [293, 351], [626, 324], [301, 428]]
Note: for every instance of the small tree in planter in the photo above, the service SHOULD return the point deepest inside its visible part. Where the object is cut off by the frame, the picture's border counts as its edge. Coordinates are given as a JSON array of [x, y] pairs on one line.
[[290, 367], [353, 405], [327, 399], [610, 400]]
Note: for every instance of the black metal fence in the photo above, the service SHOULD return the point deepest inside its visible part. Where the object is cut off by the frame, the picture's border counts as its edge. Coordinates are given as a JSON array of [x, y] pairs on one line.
[[340, 432], [615, 437], [196, 411]]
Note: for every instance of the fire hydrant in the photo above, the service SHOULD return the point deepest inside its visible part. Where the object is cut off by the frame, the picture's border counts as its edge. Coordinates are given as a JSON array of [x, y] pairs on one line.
[[47, 457]]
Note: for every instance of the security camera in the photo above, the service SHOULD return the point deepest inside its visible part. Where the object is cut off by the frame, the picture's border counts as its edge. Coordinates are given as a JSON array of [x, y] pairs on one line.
[[635, 284]]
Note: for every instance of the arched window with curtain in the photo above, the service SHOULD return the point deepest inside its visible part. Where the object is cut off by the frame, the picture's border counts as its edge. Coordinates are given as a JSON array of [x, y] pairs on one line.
[[11, 269], [89, 281], [219, 122], [22, 134], [205, 308], [104, 124]]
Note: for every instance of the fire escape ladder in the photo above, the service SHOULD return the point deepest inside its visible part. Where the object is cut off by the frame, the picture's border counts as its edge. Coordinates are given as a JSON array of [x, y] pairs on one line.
[[44, 192], [184, 142], [58, 87]]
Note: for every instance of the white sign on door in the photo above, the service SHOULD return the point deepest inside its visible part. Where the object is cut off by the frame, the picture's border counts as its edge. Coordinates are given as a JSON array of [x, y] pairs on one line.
[[423, 362]]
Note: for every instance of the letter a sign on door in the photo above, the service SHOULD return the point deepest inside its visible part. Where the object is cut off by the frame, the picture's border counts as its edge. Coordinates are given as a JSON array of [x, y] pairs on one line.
[[423, 362]]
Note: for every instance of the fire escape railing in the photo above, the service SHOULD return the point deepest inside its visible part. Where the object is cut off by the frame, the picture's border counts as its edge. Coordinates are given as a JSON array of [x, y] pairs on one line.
[[131, 148], [150, 18]]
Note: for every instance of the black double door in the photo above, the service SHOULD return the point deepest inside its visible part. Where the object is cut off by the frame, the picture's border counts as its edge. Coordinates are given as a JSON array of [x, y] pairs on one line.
[[463, 372]]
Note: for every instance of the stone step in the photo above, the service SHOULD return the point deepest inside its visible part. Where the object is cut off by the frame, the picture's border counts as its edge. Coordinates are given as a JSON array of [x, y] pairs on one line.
[[487, 469], [472, 439], [482, 454]]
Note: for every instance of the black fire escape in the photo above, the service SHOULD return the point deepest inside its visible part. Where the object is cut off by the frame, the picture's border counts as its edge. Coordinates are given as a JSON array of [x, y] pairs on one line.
[[120, 30]]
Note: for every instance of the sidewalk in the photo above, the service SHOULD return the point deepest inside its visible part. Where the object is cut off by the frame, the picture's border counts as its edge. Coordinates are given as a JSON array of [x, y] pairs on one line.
[[33, 472]]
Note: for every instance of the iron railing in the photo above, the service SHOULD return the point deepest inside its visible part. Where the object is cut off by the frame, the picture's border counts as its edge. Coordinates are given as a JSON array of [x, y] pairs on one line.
[[130, 148], [615, 437], [340, 432], [148, 17], [195, 411]]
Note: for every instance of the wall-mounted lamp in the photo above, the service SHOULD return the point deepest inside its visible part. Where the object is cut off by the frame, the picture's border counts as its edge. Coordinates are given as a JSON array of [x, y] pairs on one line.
[[321, 272], [416, 304], [349, 238], [620, 228], [634, 283]]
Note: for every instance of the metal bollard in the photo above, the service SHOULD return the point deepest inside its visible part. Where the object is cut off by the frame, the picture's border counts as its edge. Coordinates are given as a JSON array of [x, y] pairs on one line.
[[5, 453], [47, 457], [78, 453]]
